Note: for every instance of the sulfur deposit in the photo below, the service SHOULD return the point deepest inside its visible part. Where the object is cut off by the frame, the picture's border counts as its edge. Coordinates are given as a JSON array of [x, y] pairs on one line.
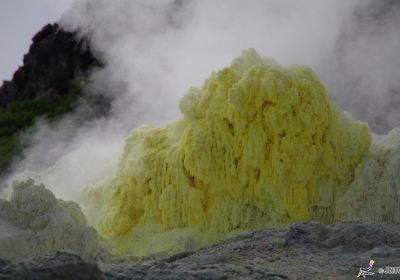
[[258, 145], [33, 222]]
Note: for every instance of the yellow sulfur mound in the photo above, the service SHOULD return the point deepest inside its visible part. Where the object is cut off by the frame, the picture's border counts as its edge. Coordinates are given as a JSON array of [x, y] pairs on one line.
[[258, 145]]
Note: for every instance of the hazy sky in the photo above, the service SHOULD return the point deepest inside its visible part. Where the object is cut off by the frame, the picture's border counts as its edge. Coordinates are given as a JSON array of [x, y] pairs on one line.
[[19, 21]]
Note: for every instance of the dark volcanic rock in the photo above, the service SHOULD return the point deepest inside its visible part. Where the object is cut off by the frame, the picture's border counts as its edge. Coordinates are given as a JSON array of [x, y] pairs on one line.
[[304, 251], [55, 59], [51, 83], [358, 236], [4, 263], [312, 233], [345, 236], [61, 266]]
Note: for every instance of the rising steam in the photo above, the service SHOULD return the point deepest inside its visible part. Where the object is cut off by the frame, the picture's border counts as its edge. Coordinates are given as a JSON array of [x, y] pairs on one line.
[[155, 50]]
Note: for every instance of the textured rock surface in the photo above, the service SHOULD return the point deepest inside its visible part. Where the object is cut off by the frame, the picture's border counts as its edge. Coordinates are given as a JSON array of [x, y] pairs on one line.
[[51, 83], [305, 251], [61, 266], [54, 60], [34, 222]]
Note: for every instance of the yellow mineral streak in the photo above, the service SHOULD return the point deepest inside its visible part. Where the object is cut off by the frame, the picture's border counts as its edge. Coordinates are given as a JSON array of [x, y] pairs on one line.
[[258, 145]]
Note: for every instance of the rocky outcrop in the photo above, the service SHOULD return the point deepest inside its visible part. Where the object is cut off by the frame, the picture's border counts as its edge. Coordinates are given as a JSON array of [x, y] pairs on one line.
[[304, 251], [51, 83], [63, 265], [55, 59]]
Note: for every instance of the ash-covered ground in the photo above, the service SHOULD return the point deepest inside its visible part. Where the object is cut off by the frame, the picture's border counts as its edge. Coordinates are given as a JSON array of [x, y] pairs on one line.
[[304, 251]]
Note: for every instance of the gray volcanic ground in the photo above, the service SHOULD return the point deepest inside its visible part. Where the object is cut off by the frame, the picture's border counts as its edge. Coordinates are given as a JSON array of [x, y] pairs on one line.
[[305, 251]]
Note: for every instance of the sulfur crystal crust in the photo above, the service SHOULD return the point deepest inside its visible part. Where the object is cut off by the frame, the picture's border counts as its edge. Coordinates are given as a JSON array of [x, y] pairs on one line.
[[258, 145]]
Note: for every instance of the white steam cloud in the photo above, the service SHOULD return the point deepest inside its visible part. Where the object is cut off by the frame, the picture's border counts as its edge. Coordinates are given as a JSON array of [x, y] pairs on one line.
[[362, 73], [156, 49]]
